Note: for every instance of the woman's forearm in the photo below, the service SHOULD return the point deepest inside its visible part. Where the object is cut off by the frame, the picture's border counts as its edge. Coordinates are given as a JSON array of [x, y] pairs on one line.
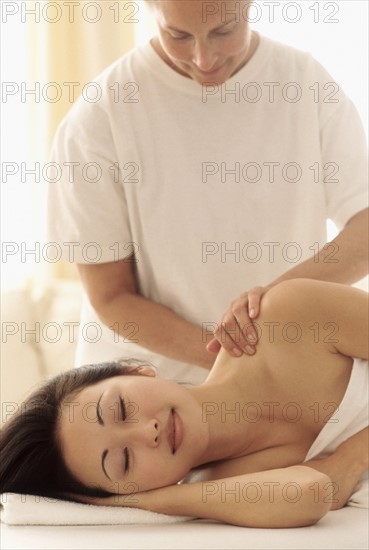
[[288, 497]]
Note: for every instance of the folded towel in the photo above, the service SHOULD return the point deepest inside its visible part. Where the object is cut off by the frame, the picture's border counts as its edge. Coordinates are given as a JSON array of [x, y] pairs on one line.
[[33, 510]]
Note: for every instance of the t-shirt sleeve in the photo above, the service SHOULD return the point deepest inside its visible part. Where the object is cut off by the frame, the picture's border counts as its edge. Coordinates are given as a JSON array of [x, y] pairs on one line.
[[344, 156], [87, 208]]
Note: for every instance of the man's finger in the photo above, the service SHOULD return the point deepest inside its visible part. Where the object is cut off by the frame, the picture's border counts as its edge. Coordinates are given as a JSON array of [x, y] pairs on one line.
[[213, 346], [254, 304], [227, 335]]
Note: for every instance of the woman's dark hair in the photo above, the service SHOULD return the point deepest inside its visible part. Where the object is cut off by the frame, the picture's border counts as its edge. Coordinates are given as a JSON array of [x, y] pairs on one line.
[[30, 455]]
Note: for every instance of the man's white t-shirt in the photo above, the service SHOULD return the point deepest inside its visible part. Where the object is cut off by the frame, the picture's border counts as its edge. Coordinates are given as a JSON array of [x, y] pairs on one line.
[[214, 188]]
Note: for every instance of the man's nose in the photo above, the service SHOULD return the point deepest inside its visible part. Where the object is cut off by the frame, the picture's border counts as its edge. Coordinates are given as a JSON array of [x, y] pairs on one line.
[[203, 56]]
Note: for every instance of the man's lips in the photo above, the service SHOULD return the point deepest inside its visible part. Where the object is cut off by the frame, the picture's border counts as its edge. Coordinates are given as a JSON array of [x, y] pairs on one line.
[[174, 431], [212, 72]]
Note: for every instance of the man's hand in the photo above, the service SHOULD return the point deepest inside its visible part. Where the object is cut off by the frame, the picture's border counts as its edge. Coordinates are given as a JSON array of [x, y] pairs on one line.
[[236, 332]]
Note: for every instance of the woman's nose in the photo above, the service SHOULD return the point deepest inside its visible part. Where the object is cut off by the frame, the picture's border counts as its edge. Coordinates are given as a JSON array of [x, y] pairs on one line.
[[143, 431]]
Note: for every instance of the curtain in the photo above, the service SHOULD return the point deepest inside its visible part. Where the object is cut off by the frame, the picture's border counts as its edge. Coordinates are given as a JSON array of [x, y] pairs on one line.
[[69, 43]]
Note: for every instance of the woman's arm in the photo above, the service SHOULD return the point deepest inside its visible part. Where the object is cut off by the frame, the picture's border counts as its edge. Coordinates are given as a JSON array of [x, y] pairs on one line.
[[345, 466], [287, 497], [290, 497]]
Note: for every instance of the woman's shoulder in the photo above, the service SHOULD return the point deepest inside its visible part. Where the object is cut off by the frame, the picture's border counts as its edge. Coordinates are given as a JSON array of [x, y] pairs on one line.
[[304, 321], [319, 295], [331, 316]]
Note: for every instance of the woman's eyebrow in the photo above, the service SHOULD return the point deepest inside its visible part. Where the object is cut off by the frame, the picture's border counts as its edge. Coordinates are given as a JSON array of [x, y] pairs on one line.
[[103, 457], [101, 422], [99, 417]]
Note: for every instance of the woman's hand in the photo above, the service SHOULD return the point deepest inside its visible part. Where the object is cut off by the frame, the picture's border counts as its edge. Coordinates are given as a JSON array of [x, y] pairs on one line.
[[236, 332], [157, 500], [345, 467], [161, 500], [131, 500]]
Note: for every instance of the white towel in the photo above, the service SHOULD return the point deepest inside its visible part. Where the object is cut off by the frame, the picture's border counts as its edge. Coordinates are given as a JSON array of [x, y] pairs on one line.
[[33, 510], [350, 417]]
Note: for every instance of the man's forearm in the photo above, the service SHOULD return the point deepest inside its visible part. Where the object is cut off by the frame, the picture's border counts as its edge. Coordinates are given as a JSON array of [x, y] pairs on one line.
[[156, 328], [344, 260]]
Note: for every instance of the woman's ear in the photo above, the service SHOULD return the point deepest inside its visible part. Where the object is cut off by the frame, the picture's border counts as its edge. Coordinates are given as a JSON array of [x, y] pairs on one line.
[[146, 370], [141, 370]]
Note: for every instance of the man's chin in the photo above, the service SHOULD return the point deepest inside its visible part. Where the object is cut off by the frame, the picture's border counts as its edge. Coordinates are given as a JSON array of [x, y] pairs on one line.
[[208, 79], [203, 79], [215, 81]]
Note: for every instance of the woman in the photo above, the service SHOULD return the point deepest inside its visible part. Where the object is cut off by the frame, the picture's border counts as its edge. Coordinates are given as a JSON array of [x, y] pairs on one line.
[[99, 437], [214, 152]]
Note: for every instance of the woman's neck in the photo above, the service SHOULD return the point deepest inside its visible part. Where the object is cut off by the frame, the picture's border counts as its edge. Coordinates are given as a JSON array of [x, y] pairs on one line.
[[234, 407]]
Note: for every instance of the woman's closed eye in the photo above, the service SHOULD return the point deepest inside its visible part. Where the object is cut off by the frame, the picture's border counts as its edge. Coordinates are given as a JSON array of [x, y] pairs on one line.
[[123, 412], [128, 410], [126, 461], [119, 410]]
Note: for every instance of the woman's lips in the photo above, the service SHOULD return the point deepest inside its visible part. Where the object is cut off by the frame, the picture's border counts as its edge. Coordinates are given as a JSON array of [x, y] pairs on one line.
[[175, 431], [170, 431], [178, 431]]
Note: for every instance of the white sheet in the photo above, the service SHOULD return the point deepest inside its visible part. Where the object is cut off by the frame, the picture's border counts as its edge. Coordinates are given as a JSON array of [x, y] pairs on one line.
[[345, 529]]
